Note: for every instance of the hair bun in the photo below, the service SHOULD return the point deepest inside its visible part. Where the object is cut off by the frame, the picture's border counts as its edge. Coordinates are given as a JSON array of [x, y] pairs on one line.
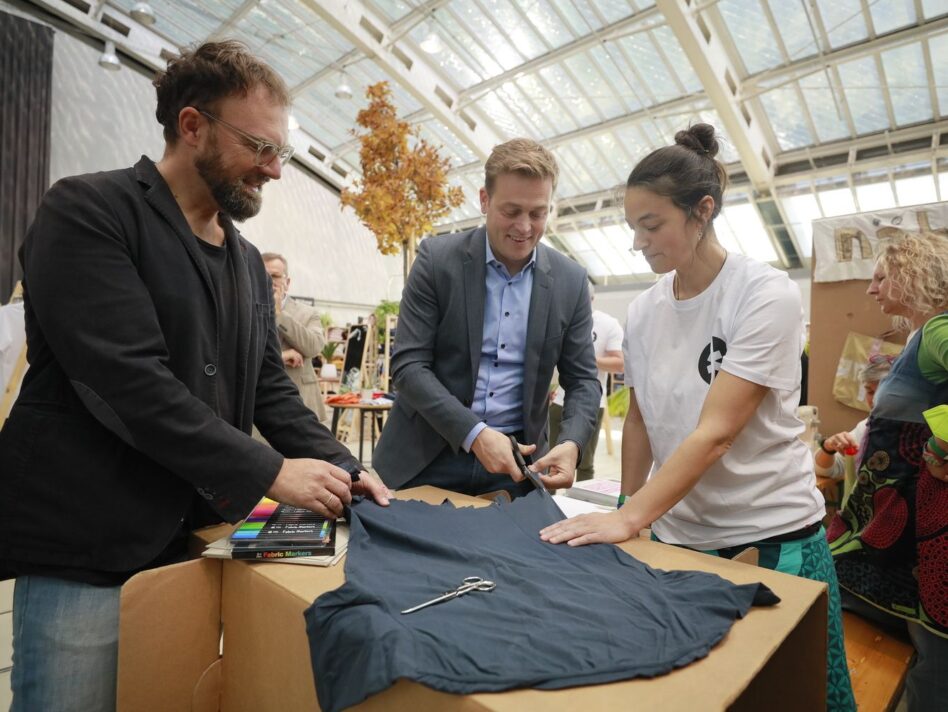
[[699, 138]]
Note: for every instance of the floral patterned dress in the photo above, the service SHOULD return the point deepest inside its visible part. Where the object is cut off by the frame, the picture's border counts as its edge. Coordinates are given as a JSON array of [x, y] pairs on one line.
[[890, 543]]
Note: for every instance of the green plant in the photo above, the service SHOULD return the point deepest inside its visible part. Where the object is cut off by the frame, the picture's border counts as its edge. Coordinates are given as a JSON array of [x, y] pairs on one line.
[[385, 307], [325, 319], [329, 350]]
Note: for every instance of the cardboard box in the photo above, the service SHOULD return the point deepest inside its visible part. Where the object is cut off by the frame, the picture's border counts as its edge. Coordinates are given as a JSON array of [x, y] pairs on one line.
[[172, 618]]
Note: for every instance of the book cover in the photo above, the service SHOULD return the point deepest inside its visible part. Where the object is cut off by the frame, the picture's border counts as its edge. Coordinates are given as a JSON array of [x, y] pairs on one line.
[[276, 527]]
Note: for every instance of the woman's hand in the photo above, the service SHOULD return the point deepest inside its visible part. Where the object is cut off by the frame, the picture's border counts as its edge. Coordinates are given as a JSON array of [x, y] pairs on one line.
[[611, 528]]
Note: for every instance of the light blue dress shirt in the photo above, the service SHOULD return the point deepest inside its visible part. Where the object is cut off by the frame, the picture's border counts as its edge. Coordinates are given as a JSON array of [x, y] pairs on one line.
[[498, 393]]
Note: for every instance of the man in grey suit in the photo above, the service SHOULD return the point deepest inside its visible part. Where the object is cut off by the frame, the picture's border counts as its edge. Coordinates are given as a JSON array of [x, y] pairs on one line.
[[485, 317]]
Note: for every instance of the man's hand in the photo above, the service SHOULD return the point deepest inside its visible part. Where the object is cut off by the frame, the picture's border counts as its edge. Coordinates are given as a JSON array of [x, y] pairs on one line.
[[561, 461], [279, 294], [316, 485], [369, 485], [591, 529], [493, 451], [292, 358]]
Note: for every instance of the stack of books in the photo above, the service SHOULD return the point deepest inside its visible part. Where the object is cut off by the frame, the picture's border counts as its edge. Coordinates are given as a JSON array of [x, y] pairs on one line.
[[280, 532], [605, 493]]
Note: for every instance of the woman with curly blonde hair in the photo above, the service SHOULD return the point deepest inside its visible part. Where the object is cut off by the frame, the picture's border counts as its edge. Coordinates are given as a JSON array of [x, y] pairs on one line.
[[890, 543]]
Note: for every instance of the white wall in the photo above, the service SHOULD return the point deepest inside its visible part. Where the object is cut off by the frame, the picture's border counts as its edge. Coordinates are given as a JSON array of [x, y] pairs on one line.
[[103, 120]]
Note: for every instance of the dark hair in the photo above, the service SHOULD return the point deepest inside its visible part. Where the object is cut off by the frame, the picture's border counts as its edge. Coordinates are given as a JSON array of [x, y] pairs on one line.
[[686, 171], [211, 72]]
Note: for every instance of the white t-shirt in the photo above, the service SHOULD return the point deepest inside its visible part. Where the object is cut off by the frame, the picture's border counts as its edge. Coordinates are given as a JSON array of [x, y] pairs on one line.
[[748, 323], [607, 336]]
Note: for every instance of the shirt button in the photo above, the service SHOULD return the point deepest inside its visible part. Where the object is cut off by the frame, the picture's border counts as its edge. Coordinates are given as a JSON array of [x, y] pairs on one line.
[[496, 363], [210, 369], [503, 346], [491, 394], [506, 313]]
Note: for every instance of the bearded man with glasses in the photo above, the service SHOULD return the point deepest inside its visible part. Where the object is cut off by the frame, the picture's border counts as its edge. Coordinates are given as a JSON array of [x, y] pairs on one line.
[[153, 350]]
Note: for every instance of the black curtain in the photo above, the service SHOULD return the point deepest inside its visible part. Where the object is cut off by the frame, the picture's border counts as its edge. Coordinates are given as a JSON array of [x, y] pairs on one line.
[[26, 78]]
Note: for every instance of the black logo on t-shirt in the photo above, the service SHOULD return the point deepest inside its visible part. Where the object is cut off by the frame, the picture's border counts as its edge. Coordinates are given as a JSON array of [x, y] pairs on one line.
[[706, 358]]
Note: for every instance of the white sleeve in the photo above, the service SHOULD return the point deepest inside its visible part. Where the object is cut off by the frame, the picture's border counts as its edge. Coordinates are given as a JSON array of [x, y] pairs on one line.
[[614, 335], [765, 339], [630, 333]]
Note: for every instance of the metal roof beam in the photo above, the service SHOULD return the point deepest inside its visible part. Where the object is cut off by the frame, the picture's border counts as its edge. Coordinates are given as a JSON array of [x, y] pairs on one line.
[[371, 35]]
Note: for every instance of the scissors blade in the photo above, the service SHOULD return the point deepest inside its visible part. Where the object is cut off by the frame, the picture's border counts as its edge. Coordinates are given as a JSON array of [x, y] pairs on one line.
[[524, 470], [446, 597]]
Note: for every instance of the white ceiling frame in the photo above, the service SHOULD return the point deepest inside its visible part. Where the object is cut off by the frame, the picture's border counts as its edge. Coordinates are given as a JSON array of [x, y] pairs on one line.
[[615, 122], [370, 34], [716, 69]]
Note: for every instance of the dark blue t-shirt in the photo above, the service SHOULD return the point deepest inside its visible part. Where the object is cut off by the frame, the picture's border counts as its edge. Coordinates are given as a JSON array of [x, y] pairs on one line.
[[560, 616]]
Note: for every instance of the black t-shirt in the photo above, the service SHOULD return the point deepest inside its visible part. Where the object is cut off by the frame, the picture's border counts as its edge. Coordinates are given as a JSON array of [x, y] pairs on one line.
[[559, 615], [221, 268]]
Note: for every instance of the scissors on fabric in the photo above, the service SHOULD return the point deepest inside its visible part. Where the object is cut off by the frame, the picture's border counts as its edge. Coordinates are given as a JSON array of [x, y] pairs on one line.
[[471, 583]]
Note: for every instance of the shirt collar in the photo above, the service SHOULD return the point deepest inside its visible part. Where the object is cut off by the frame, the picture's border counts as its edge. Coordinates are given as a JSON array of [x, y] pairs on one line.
[[491, 260]]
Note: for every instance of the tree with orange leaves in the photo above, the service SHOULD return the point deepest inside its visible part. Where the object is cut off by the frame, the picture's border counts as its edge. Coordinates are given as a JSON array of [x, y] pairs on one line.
[[403, 189]]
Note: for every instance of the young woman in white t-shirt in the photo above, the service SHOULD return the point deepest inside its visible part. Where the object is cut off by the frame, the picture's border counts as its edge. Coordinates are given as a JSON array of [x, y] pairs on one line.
[[712, 358]]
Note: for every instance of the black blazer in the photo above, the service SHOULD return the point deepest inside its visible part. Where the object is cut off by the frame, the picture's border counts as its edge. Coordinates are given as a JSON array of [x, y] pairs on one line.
[[116, 424]]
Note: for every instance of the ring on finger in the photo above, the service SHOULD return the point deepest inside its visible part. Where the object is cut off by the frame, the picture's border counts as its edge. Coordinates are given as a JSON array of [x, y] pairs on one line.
[[328, 501]]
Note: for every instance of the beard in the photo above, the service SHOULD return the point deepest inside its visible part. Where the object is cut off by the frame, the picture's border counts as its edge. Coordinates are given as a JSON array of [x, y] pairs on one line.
[[231, 194]]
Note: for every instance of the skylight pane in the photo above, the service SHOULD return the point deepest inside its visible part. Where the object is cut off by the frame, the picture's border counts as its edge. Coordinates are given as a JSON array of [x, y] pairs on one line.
[[677, 58], [908, 83], [861, 84], [726, 237], [891, 15], [650, 66], [748, 228], [917, 190], [875, 196], [843, 21], [837, 201], [825, 107], [801, 211], [933, 8], [580, 111], [783, 109], [938, 46], [793, 24], [747, 23]]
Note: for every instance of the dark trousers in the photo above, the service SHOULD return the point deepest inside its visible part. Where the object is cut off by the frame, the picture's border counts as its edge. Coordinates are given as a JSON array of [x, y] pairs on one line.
[[465, 474], [586, 469]]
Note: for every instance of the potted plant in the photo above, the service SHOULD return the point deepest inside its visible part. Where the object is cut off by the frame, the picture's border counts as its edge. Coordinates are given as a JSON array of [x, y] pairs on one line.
[[328, 369]]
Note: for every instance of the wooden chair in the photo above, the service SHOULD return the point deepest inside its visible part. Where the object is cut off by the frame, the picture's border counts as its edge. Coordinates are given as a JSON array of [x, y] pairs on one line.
[[878, 663]]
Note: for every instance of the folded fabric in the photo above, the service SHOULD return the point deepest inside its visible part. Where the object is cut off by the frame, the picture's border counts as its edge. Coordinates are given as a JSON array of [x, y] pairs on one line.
[[559, 616], [937, 419]]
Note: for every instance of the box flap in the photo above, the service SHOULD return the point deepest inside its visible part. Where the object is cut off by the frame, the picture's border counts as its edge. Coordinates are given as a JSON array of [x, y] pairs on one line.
[[169, 634]]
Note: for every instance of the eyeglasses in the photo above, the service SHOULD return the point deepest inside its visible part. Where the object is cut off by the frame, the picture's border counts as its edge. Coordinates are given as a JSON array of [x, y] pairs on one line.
[[266, 151]]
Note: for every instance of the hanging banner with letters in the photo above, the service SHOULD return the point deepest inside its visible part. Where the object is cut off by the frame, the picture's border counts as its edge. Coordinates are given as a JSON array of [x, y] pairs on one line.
[[847, 247]]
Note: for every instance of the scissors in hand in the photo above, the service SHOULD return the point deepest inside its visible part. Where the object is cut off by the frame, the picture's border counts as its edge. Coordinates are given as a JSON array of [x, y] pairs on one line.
[[471, 583]]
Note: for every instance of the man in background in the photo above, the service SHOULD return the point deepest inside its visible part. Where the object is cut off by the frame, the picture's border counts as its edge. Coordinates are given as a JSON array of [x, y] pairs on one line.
[[301, 335], [607, 343]]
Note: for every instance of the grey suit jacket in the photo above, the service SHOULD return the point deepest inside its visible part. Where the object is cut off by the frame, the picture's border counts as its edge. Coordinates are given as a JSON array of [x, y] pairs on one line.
[[438, 349]]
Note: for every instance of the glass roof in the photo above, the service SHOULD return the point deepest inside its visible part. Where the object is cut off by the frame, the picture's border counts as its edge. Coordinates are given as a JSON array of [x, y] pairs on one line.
[[604, 82]]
